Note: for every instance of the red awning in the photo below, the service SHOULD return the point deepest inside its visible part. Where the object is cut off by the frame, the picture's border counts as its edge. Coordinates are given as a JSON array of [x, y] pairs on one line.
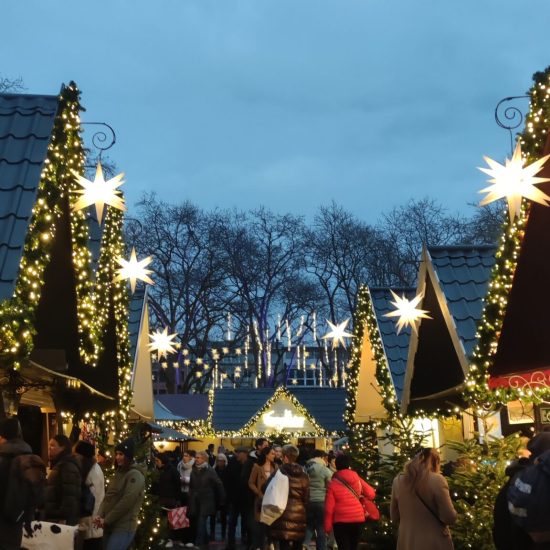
[[536, 379]]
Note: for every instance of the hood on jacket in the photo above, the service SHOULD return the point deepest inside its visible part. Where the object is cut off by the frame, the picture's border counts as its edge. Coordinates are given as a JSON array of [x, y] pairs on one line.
[[15, 447], [187, 466], [317, 460], [347, 475]]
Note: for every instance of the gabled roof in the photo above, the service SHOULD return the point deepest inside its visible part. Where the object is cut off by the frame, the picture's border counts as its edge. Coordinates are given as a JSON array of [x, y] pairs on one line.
[[26, 123], [464, 273], [161, 412], [233, 408], [193, 406], [396, 346], [454, 280]]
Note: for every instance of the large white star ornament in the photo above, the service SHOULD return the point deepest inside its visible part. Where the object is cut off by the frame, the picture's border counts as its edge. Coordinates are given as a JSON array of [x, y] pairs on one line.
[[513, 180], [338, 333], [162, 342], [99, 192], [406, 311], [133, 269]]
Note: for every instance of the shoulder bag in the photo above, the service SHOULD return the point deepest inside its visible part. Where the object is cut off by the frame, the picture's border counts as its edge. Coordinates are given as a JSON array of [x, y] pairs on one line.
[[369, 508]]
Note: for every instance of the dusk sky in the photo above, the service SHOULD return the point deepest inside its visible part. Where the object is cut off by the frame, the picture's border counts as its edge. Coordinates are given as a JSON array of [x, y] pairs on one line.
[[288, 103]]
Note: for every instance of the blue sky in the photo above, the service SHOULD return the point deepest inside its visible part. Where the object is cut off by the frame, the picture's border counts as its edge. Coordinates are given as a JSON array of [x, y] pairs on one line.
[[288, 103]]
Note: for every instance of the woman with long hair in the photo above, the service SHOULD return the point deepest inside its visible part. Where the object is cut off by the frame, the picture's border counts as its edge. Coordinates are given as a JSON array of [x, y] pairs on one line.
[[344, 514], [261, 472], [421, 504]]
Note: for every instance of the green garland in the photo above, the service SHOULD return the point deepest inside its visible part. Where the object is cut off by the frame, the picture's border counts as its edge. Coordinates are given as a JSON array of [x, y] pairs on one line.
[[65, 153], [532, 140]]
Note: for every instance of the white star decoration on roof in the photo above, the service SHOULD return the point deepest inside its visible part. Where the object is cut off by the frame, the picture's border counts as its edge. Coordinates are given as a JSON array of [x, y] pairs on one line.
[[406, 311], [162, 342], [513, 180], [133, 269], [338, 333], [99, 192]]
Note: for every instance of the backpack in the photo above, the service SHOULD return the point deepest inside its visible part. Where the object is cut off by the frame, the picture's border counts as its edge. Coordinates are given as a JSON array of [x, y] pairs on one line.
[[529, 499], [25, 487]]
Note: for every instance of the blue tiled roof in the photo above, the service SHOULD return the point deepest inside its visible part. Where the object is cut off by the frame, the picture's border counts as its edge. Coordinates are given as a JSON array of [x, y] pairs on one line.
[[163, 413], [233, 408], [396, 346], [26, 123], [193, 406], [464, 273], [135, 309]]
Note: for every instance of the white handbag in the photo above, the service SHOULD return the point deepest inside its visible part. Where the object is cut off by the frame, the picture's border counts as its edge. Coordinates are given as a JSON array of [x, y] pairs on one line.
[[275, 498], [49, 536]]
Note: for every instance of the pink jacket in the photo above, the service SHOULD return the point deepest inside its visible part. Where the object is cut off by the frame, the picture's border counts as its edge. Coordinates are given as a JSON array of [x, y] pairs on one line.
[[341, 505]]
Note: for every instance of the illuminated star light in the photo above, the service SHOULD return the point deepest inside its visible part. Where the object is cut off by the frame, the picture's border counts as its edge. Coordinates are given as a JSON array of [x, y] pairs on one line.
[[133, 269], [162, 342], [407, 311], [99, 192], [514, 181], [338, 333]]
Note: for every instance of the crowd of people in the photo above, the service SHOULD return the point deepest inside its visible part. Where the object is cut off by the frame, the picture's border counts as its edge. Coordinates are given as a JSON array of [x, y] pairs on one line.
[[327, 500]]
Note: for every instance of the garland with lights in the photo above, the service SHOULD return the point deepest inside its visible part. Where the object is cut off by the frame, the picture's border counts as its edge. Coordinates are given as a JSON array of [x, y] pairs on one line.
[[532, 141], [65, 153], [205, 428]]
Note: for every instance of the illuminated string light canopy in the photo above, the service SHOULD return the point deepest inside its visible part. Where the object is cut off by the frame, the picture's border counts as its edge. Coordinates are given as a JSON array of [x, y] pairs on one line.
[[99, 192], [514, 181], [162, 342], [133, 270], [406, 311], [337, 333]]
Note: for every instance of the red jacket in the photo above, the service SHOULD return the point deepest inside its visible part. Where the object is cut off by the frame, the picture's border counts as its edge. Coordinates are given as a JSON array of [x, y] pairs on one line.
[[341, 505]]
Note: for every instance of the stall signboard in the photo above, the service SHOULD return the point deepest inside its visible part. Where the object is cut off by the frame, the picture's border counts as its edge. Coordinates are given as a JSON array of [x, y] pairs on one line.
[[283, 416]]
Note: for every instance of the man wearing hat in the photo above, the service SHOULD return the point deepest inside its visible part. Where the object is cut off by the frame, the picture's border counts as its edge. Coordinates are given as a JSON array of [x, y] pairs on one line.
[[118, 514], [11, 446], [237, 490]]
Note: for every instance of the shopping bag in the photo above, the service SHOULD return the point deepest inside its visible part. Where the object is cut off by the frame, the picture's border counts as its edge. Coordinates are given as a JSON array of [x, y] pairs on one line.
[[275, 498], [49, 536], [177, 518]]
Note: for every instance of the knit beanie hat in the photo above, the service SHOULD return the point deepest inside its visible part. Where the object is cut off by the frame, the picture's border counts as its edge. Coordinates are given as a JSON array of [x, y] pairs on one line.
[[10, 428], [85, 449], [126, 447]]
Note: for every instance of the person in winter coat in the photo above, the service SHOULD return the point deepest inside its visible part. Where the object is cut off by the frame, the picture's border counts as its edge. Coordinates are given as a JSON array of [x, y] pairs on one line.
[[290, 528], [344, 512], [261, 472], [221, 472], [184, 469], [205, 495], [167, 488], [319, 478], [506, 534], [89, 536], [12, 446], [118, 514], [421, 504], [237, 489], [64, 484]]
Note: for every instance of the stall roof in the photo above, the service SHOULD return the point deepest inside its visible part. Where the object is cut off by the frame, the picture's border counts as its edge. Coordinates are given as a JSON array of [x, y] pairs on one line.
[[192, 406], [233, 408], [135, 312], [26, 124], [396, 346], [163, 413]]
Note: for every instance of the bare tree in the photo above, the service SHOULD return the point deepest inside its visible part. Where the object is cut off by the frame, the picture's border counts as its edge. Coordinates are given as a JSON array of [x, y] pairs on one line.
[[265, 263], [11, 85], [189, 296]]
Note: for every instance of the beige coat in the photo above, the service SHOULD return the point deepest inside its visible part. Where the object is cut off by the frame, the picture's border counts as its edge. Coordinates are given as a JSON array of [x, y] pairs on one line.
[[418, 528]]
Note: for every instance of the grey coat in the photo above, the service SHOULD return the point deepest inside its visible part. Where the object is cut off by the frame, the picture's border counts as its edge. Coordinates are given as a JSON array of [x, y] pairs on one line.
[[206, 493]]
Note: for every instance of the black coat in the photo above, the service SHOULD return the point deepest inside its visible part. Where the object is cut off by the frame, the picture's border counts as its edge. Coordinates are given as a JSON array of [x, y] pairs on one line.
[[63, 491], [167, 486], [206, 492], [235, 483], [10, 534]]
